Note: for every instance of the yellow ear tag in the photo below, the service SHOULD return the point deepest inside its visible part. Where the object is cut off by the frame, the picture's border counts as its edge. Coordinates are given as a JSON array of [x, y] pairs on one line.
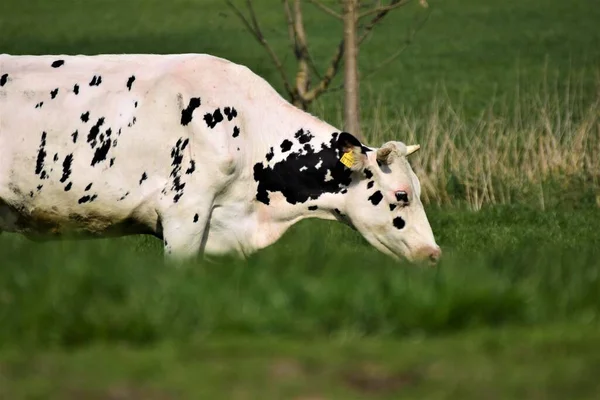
[[347, 159]]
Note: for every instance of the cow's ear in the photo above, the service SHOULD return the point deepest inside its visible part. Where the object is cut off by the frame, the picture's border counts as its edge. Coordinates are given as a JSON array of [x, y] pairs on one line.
[[351, 150]]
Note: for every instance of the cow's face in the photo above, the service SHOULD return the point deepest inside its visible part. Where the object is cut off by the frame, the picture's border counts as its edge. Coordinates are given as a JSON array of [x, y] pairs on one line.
[[383, 202]]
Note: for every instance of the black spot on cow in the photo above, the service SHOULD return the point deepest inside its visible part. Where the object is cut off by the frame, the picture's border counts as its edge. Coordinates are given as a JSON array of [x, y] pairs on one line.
[[88, 187], [39, 187], [96, 81], [270, 154], [44, 175], [370, 184], [286, 145], [132, 123], [68, 187], [94, 131], [376, 197], [111, 162], [299, 186], [344, 191], [101, 152], [196, 217], [57, 63], [213, 119], [76, 89], [135, 105], [303, 137], [186, 113], [115, 143], [3, 79], [39, 105], [124, 196], [41, 156], [230, 113], [84, 199], [368, 173], [31, 193], [53, 93], [236, 131], [68, 161], [191, 168], [184, 144], [176, 161], [85, 117], [130, 82], [74, 136], [399, 222], [312, 208], [143, 178], [55, 157], [392, 207]]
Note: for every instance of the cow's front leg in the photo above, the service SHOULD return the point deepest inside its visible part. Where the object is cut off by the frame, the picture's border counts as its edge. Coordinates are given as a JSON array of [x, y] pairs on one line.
[[183, 231]]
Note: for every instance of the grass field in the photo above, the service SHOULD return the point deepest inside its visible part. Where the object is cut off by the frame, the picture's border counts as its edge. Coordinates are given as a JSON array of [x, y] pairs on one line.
[[504, 97]]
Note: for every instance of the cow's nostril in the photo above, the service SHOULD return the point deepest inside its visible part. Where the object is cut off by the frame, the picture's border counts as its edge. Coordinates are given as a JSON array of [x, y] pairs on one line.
[[435, 255]]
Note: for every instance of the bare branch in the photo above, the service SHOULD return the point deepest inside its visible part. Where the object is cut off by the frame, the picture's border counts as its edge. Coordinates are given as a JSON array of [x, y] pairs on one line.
[[332, 70], [323, 7], [254, 29], [378, 17], [401, 50], [382, 9]]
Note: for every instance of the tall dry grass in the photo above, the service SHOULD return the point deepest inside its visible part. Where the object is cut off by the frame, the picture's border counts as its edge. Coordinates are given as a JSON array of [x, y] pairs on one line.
[[522, 148]]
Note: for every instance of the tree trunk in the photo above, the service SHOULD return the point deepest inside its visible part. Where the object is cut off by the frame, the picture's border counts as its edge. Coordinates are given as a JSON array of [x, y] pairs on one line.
[[351, 102]]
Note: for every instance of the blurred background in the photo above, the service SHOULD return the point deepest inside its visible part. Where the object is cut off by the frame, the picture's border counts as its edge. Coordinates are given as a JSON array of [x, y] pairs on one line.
[[503, 98]]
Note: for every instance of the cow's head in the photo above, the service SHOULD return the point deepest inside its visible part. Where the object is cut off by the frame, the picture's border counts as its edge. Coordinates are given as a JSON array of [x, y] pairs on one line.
[[383, 202]]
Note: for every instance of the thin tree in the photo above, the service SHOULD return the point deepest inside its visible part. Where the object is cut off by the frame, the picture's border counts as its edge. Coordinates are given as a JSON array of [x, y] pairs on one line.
[[302, 91]]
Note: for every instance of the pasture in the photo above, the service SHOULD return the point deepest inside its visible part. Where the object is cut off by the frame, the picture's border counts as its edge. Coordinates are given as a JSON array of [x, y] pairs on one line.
[[504, 99]]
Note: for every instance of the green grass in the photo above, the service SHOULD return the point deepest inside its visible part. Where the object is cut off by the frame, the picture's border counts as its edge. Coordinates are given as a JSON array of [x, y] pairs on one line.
[[556, 363], [502, 266]]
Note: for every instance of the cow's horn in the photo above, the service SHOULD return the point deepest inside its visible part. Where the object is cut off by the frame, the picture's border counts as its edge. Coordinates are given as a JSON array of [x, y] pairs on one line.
[[412, 148]]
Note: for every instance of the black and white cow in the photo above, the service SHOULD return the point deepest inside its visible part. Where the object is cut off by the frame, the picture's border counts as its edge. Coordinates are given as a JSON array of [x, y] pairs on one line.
[[190, 148]]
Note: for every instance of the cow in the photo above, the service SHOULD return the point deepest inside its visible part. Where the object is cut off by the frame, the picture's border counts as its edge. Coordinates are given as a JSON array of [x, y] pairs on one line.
[[193, 149]]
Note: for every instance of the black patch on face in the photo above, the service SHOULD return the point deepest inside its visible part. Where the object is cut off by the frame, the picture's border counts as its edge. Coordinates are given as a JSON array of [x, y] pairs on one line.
[[76, 89], [270, 154], [57, 63], [303, 137], [213, 119], [68, 187], [392, 207], [85, 117], [39, 105], [88, 187], [143, 178], [368, 173], [370, 184], [96, 81], [53, 93], [312, 208], [399, 222], [230, 113], [130, 82], [236, 131], [196, 217], [299, 186], [186, 113], [39, 164], [55, 157], [3, 79], [191, 168], [286, 145], [376, 197], [66, 168]]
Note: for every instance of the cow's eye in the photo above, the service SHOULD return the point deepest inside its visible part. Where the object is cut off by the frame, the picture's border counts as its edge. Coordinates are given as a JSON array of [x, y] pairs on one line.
[[402, 197]]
